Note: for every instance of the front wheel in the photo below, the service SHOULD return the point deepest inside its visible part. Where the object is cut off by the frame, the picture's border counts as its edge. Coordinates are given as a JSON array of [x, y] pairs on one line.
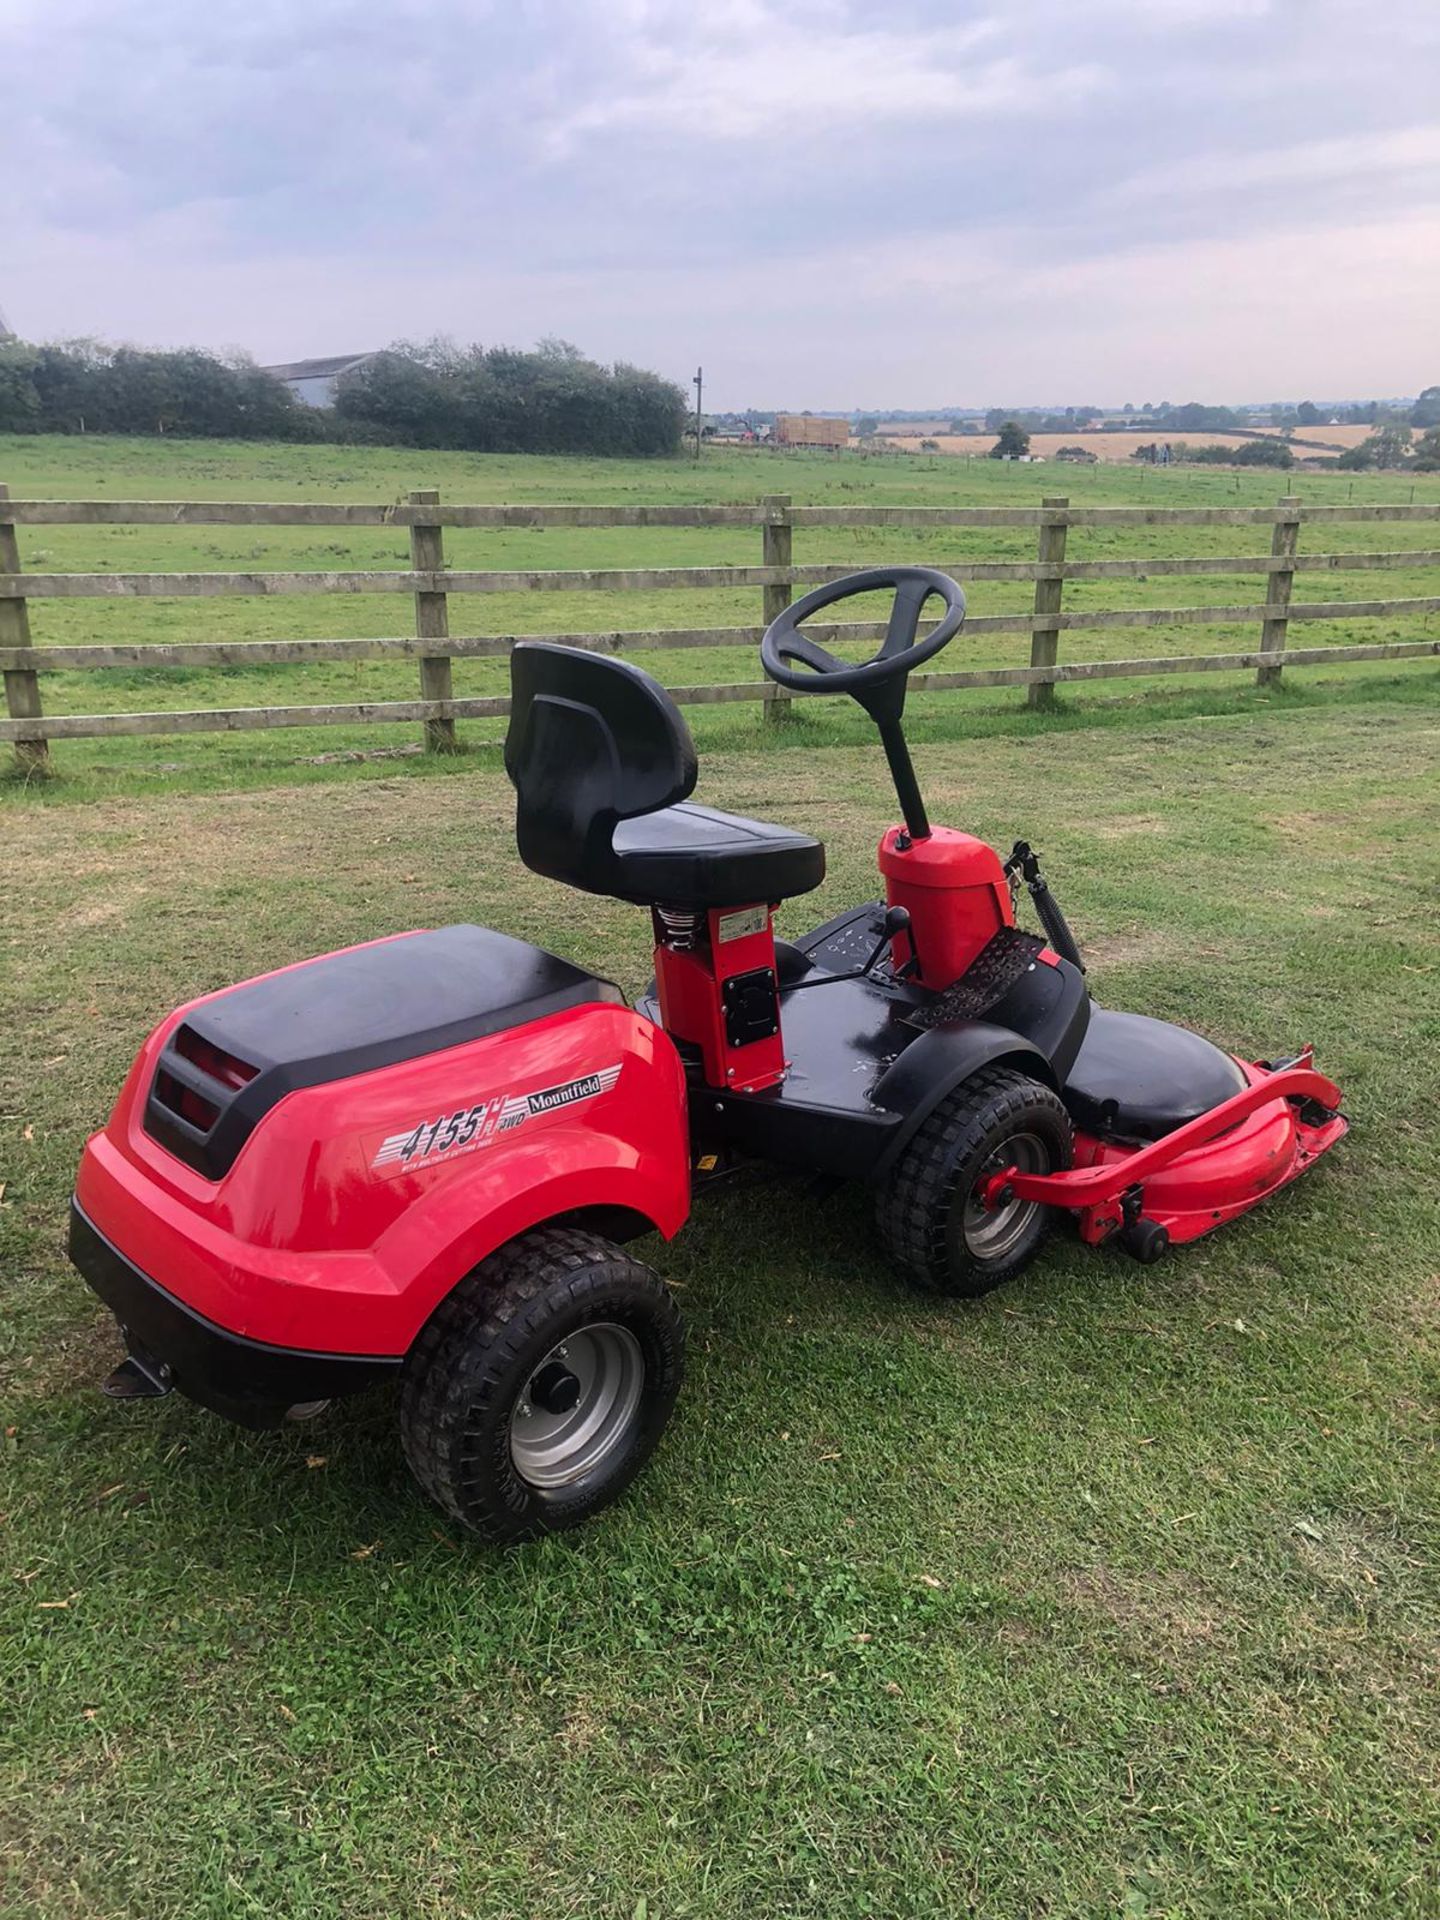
[[540, 1387], [930, 1213]]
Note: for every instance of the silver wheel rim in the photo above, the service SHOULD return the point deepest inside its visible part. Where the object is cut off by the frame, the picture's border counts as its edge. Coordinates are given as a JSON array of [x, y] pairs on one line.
[[994, 1235], [579, 1407]]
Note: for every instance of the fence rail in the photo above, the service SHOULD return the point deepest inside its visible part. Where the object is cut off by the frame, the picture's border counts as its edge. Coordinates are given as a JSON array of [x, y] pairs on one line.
[[431, 582]]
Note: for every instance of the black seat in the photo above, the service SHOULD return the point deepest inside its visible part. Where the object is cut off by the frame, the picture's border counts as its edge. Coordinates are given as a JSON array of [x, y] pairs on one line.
[[601, 761], [1140, 1079]]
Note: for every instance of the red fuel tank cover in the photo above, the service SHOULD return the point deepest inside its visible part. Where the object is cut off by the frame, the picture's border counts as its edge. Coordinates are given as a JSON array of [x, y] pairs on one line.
[[945, 859], [953, 887]]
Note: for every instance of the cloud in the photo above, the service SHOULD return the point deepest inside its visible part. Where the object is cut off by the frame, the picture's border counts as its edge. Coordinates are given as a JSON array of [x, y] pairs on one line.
[[743, 68], [899, 199], [1309, 163]]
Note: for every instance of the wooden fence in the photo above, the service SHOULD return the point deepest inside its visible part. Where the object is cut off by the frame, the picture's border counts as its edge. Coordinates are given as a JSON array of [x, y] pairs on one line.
[[430, 582]]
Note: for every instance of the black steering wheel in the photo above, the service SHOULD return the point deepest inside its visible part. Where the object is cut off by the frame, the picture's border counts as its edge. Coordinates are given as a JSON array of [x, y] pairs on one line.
[[816, 670]]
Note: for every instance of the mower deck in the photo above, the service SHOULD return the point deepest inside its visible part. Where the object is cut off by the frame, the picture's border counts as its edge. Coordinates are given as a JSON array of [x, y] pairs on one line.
[[1202, 1174]]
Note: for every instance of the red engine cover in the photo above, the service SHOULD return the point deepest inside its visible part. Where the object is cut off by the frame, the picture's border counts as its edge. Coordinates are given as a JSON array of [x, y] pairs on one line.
[[356, 1206]]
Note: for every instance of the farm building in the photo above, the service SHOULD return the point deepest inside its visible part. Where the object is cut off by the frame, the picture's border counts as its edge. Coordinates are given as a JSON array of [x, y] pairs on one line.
[[315, 381], [810, 430]]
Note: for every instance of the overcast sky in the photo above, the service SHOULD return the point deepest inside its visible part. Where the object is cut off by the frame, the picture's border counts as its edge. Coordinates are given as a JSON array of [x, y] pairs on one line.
[[827, 202]]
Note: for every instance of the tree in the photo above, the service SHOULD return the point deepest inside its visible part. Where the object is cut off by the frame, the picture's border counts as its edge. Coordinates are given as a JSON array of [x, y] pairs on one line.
[[431, 394], [19, 398], [1387, 448], [929, 446], [500, 400], [1196, 417], [84, 386], [1427, 452], [1426, 410], [1013, 441], [1307, 414], [866, 426], [1263, 453]]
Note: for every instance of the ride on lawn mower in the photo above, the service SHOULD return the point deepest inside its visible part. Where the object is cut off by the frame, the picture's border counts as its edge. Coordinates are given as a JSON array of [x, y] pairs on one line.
[[421, 1157]]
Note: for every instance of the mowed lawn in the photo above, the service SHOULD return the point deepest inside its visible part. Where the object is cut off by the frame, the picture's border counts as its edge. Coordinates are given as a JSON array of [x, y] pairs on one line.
[[1112, 1594], [76, 468]]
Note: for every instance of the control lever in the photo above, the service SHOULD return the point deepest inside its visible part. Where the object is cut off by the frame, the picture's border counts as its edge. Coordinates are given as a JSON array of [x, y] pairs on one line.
[[897, 920], [1026, 862]]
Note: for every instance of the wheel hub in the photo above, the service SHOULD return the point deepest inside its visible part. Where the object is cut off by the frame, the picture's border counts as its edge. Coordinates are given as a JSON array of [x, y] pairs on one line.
[[578, 1410], [995, 1222], [554, 1389]]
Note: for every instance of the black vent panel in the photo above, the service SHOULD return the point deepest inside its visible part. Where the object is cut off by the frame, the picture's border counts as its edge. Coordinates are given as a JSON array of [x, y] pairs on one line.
[[195, 1083]]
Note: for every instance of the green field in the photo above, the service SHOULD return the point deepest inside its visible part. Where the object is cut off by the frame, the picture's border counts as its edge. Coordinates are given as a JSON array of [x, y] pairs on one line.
[[1111, 1595], [149, 469]]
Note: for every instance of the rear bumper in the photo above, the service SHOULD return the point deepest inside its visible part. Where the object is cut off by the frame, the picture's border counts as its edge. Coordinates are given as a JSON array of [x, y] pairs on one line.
[[247, 1381]]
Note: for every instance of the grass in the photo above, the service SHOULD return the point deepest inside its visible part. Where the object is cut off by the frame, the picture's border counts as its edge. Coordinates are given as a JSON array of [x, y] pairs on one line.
[[1112, 1595], [73, 468]]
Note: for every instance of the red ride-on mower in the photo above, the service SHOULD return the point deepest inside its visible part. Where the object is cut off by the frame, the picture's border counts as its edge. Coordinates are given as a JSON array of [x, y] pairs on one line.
[[421, 1157]]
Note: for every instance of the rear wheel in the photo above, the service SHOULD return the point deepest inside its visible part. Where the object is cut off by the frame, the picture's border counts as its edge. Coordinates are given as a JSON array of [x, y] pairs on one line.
[[930, 1212], [541, 1386]]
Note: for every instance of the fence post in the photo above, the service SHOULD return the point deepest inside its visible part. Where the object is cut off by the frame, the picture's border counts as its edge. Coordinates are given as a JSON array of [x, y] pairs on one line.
[[1283, 542], [22, 684], [1045, 640], [432, 622], [777, 551]]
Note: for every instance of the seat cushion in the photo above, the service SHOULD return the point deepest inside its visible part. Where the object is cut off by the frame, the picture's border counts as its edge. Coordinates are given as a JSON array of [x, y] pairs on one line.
[[1140, 1078], [691, 856]]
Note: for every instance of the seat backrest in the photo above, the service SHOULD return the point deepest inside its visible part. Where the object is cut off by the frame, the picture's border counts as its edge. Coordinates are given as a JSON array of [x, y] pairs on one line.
[[592, 741]]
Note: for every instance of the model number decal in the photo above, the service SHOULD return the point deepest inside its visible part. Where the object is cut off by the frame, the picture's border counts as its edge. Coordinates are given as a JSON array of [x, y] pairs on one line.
[[449, 1135]]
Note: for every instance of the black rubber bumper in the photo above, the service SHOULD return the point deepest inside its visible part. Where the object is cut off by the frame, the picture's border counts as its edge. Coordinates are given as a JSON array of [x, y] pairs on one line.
[[245, 1380]]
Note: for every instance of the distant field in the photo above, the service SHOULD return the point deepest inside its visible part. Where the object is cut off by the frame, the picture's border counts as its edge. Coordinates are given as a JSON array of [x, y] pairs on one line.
[[148, 469], [1119, 446]]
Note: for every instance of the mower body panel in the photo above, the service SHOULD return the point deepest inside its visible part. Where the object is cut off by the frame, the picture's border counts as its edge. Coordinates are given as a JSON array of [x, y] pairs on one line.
[[868, 1059], [169, 1344], [354, 1205]]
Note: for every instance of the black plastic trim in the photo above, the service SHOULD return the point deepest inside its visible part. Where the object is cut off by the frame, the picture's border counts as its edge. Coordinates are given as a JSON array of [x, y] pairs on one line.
[[941, 1060], [353, 1012], [247, 1381], [1137, 1078]]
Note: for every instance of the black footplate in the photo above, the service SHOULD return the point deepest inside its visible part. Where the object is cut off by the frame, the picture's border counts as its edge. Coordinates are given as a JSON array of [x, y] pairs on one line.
[[991, 974]]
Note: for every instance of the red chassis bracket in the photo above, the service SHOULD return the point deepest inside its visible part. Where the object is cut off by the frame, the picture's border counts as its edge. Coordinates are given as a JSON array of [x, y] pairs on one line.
[[1204, 1173]]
